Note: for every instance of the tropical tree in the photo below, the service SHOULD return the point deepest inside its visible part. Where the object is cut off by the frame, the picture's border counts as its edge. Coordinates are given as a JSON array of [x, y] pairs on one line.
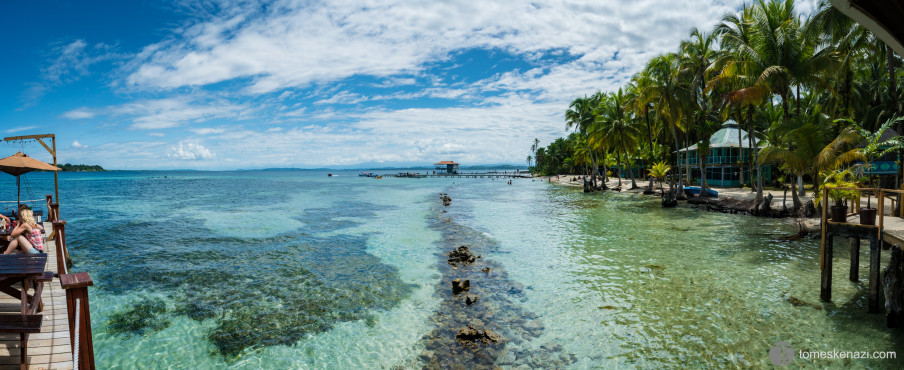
[[615, 128], [659, 171], [809, 154], [664, 89]]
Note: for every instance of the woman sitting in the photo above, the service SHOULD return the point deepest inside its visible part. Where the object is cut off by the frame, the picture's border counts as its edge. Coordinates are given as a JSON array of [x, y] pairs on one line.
[[27, 235]]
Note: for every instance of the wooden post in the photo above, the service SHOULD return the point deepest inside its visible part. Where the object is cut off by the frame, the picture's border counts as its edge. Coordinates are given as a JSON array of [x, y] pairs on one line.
[[825, 292], [875, 254], [49, 210], [881, 213], [76, 286], [823, 223], [855, 259], [59, 228]]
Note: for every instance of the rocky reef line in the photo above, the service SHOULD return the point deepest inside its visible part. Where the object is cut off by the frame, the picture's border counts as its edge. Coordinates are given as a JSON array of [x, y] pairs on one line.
[[480, 317]]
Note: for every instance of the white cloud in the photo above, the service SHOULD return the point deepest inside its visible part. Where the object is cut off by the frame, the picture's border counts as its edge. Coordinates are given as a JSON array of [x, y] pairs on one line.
[[207, 131], [344, 97], [155, 114], [20, 129], [279, 60], [69, 62], [76, 144], [190, 150], [298, 43], [80, 113]]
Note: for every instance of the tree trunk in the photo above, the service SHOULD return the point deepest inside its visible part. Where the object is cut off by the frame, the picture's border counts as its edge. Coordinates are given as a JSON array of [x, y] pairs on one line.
[[893, 91], [740, 153], [618, 160], [687, 158], [794, 197], [756, 155], [595, 170], [646, 113], [703, 183], [678, 157], [785, 112]]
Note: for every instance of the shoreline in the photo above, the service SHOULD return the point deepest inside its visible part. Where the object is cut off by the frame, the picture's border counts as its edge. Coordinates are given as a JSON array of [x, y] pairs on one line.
[[727, 196]]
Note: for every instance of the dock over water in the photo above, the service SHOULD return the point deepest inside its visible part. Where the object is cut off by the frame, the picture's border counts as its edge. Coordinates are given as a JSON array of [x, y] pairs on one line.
[[883, 232], [484, 175], [51, 348]]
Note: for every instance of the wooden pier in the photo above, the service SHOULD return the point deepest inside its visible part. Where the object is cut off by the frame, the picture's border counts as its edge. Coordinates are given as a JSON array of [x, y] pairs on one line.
[[888, 230], [484, 175], [65, 339], [50, 348]]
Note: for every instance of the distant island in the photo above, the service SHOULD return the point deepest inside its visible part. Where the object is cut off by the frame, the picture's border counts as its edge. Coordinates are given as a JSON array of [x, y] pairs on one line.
[[80, 168]]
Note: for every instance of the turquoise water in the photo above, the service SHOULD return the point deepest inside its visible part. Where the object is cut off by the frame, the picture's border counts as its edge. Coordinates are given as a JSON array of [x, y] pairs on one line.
[[300, 270]]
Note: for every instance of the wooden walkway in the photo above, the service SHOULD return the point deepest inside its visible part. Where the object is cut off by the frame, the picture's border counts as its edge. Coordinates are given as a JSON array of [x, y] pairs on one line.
[[485, 175], [49, 349]]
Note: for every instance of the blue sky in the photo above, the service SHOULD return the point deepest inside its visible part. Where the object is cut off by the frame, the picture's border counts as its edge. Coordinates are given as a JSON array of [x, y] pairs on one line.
[[242, 84]]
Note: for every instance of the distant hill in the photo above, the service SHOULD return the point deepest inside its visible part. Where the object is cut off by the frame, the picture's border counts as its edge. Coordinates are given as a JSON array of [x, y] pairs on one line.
[[80, 168]]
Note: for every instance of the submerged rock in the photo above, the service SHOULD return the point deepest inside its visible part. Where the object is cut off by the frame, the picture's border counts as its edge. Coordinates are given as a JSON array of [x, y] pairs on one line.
[[797, 302], [471, 335], [459, 286], [445, 198], [461, 256], [470, 299]]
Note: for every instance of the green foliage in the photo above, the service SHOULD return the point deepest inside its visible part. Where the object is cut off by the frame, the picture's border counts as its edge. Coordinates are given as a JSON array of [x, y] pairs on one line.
[[809, 90], [659, 170], [838, 179], [81, 168]]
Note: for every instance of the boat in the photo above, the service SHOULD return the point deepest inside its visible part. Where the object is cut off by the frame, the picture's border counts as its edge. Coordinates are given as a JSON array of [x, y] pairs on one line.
[[367, 174], [696, 191], [329, 174]]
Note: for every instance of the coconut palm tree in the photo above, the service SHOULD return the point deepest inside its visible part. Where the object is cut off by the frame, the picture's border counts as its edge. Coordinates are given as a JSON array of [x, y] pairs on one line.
[[615, 128], [663, 87], [809, 154]]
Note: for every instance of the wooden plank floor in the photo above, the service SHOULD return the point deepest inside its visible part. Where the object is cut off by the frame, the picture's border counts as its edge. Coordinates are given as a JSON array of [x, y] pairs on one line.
[[48, 349]]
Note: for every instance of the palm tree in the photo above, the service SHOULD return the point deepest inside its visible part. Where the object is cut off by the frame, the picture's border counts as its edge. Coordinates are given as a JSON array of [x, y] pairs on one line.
[[580, 116], [696, 57], [659, 171], [615, 128], [809, 154], [662, 87]]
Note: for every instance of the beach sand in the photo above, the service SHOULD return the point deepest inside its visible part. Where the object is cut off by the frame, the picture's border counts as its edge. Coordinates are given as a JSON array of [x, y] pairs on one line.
[[729, 194]]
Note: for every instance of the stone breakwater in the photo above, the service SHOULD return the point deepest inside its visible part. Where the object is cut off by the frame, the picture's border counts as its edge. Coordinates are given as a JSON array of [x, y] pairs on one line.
[[480, 321]]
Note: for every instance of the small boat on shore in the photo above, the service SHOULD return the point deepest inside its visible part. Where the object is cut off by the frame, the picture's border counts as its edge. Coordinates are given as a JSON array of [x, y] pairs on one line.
[[696, 191]]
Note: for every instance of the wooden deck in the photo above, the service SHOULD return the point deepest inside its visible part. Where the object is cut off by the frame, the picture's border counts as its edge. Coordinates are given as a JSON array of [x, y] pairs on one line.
[[49, 349]]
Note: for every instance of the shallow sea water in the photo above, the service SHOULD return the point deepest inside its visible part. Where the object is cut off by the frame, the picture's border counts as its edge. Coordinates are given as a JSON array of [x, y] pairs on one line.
[[300, 270]]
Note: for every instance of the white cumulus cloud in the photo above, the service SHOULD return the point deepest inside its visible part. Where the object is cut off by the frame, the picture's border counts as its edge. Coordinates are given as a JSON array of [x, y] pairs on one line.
[[190, 150]]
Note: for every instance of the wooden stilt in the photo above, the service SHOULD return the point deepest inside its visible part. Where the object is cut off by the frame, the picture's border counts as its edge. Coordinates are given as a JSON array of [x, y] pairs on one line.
[[855, 259], [875, 252], [825, 292]]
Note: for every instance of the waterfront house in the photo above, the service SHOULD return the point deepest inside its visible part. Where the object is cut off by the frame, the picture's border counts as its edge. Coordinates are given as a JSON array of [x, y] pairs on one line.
[[448, 166], [727, 157]]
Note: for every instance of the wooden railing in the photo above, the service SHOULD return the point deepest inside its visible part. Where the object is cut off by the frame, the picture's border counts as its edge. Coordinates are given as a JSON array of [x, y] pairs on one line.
[[880, 194], [77, 303]]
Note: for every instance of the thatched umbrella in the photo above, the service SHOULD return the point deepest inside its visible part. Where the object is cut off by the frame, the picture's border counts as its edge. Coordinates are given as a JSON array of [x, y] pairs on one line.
[[20, 163]]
